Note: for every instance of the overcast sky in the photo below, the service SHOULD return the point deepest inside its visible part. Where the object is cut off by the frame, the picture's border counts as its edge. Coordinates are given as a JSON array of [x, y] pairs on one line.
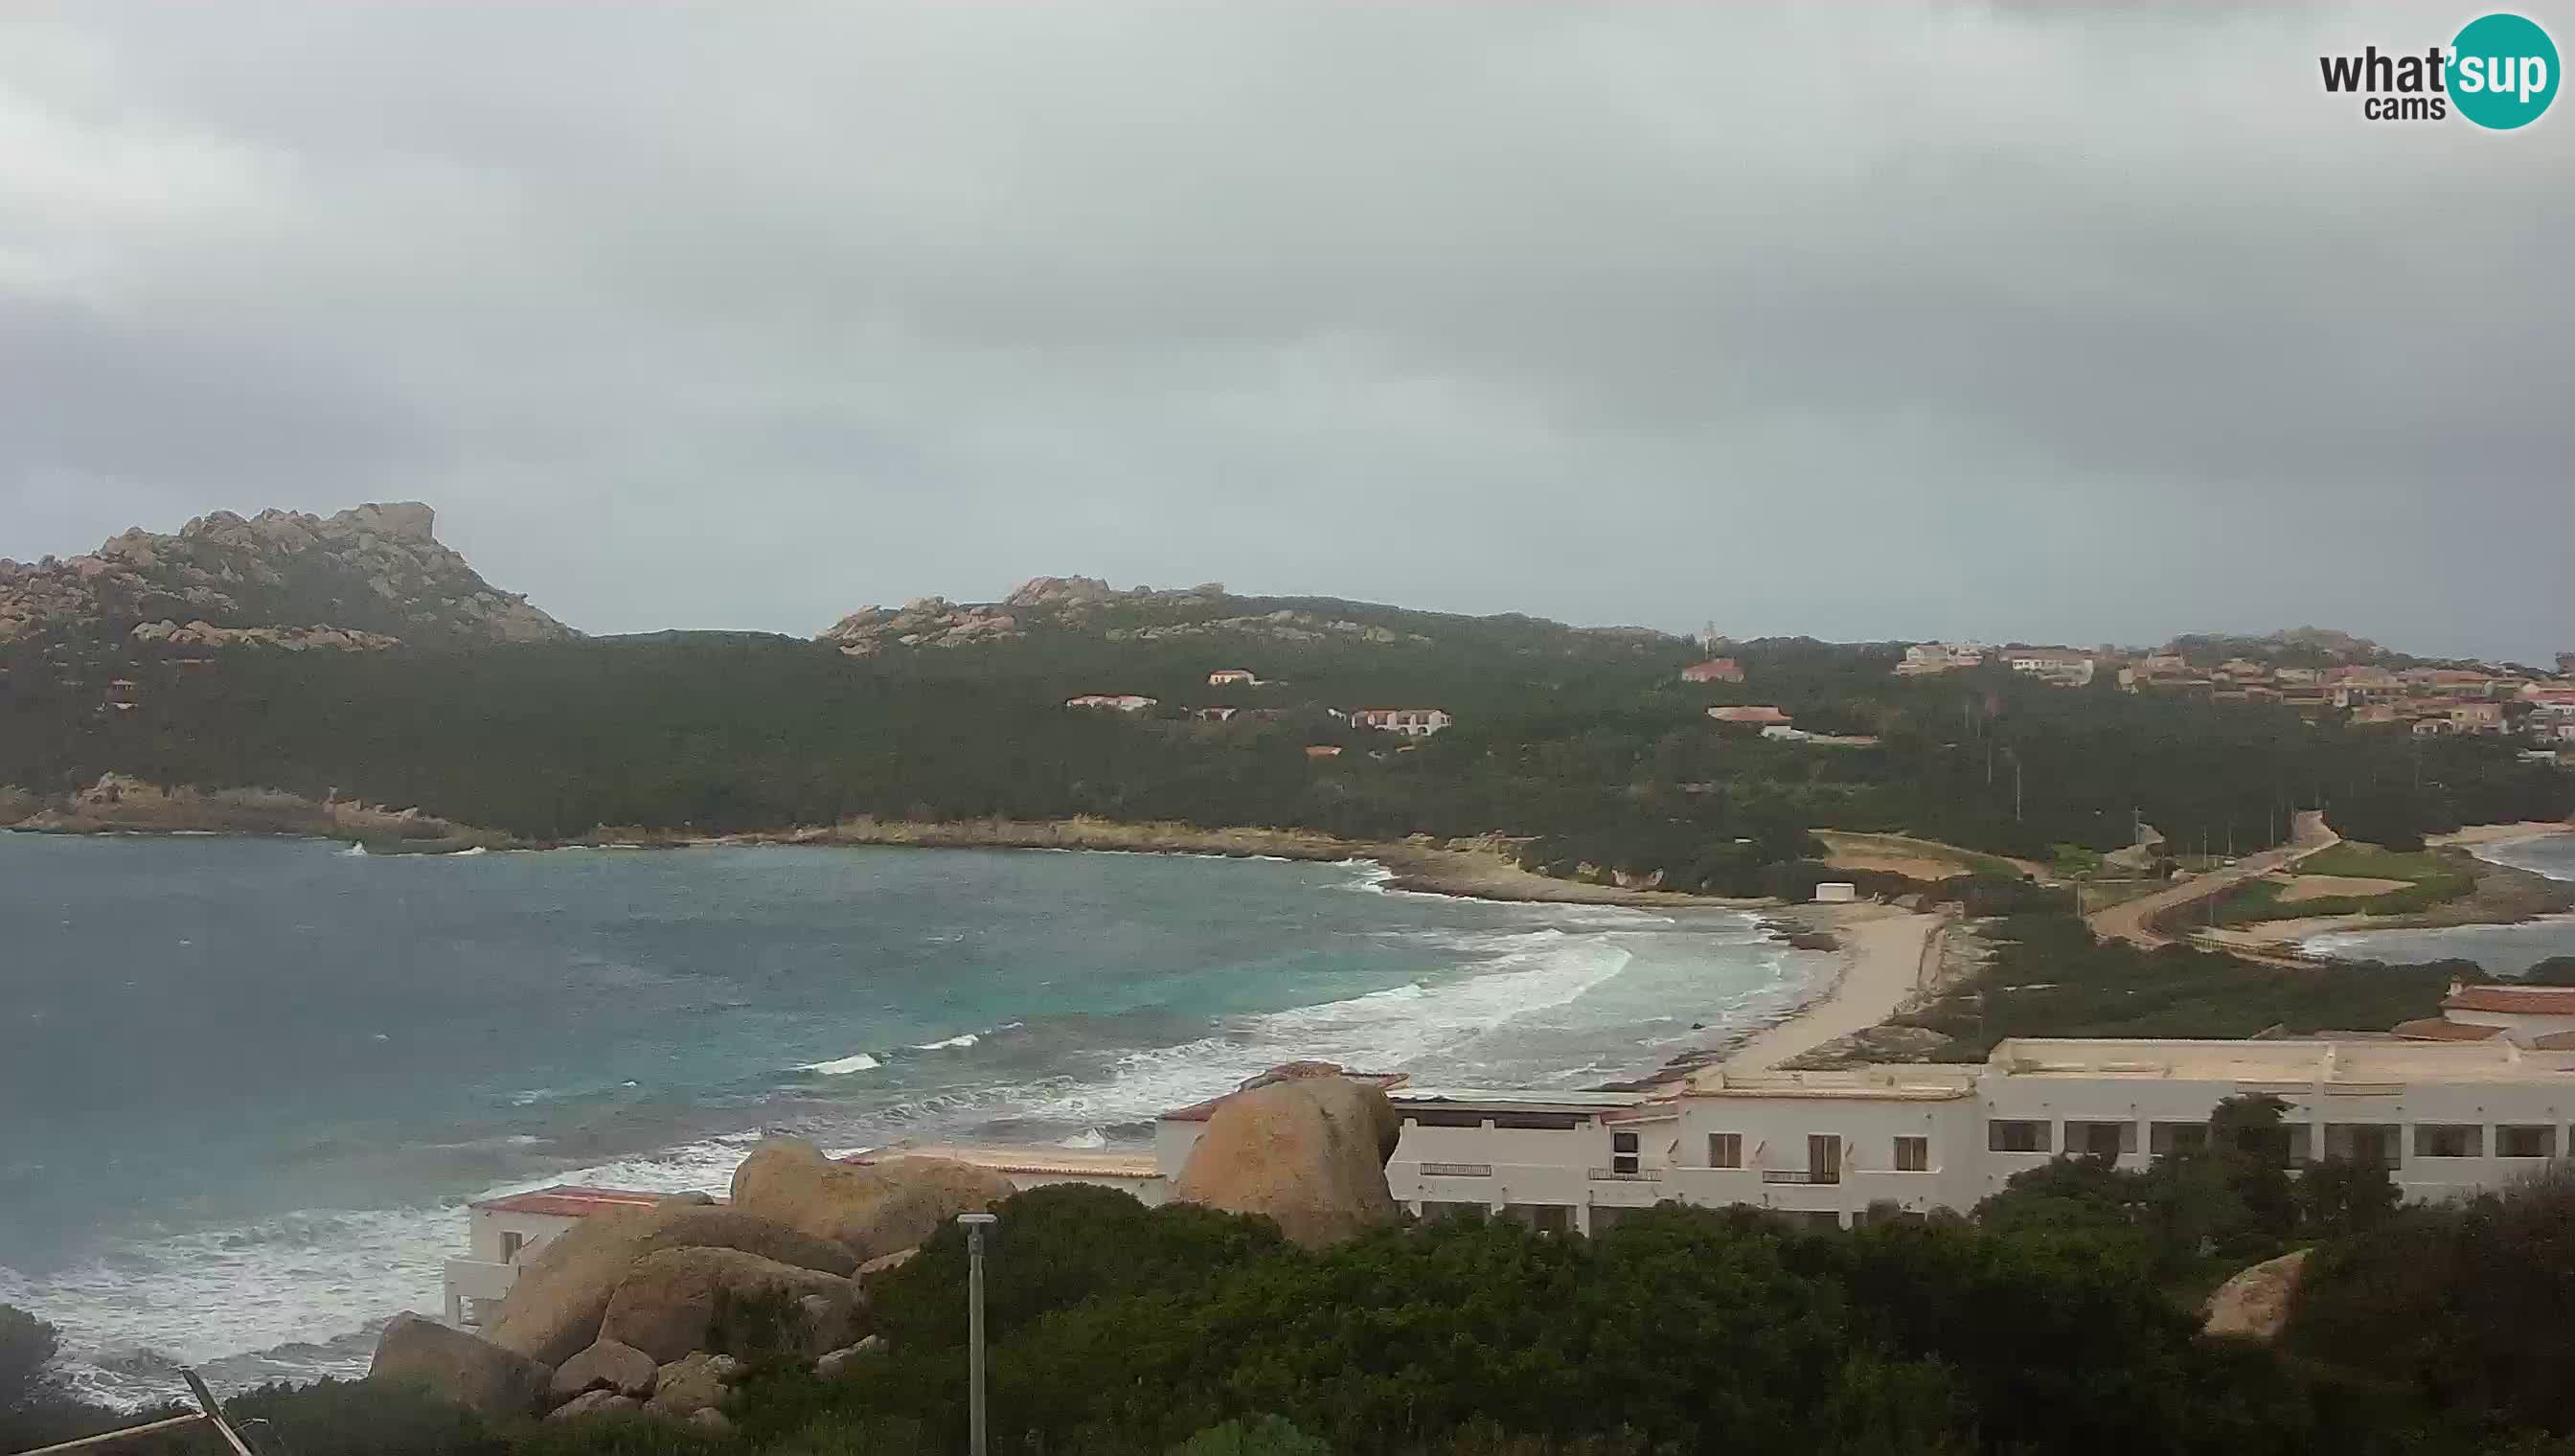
[[1995, 321]]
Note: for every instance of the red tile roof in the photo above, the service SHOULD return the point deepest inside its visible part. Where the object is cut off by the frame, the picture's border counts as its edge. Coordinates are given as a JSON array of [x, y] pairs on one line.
[[569, 1201], [2433, 1028], [2526, 1000]]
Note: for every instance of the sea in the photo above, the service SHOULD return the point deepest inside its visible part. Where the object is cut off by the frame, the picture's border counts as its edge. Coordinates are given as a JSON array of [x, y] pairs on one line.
[[2499, 949], [248, 1085]]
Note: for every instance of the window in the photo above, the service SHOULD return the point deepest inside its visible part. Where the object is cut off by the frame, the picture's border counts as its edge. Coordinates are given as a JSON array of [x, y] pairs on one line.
[[2525, 1142], [2449, 1140], [1541, 1217], [1823, 1158], [2004, 1134], [1434, 1212], [1821, 1221], [1913, 1154], [2164, 1139], [511, 1243], [1725, 1149], [2101, 1140], [2363, 1142], [1622, 1152]]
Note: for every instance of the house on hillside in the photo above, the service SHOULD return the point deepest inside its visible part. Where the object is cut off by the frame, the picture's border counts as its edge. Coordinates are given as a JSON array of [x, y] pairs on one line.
[[2061, 667], [1116, 701], [1322, 751], [1411, 722], [1761, 715], [2476, 718], [1232, 677], [1714, 669], [1927, 657], [1214, 715]]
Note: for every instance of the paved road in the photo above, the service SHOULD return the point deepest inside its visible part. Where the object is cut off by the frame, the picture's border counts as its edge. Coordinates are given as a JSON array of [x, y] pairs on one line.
[[2131, 919]]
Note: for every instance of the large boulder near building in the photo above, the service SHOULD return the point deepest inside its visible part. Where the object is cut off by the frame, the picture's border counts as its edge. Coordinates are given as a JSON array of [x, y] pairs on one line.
[[608, 1366], [2255, 1304], [880, 1208], [700, 1382], [1307, 1152], [554, 1310], [471, 1372], [680, 1301]]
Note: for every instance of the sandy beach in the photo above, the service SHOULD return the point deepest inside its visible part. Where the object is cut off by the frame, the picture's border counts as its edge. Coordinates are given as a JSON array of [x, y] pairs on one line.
[[2512, 834], [1888, 955]]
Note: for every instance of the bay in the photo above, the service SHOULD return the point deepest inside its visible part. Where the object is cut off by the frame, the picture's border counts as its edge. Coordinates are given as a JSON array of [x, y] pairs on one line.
[[246, 1086]]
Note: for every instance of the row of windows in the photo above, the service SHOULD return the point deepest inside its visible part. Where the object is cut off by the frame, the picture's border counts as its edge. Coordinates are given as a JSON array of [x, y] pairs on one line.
[[1911, 1154], [2363, 1141]]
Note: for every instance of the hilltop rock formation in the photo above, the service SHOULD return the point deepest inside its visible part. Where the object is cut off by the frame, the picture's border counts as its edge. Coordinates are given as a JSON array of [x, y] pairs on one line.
[[1092, 608], [873, 1211], [363, 580], [1304, 1146]]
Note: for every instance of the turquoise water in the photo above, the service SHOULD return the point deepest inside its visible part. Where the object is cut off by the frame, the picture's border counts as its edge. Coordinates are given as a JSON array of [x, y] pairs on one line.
[[2502, 949], [249, 1083]]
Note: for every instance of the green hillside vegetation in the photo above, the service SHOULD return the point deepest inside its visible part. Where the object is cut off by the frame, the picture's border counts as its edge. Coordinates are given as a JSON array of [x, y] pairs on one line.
[[2050, 976], [1584, 743]]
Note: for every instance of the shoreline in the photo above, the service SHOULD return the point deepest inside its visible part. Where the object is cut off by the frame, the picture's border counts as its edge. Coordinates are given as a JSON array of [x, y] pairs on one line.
[[1885, 957], [1480, 869], [2505, 895]]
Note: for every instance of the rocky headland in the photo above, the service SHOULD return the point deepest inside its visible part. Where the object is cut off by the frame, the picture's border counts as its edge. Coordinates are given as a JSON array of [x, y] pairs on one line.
[[367, 578]]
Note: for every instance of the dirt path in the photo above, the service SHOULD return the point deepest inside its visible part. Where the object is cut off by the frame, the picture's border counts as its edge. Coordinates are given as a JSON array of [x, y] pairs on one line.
[[2133, 920]]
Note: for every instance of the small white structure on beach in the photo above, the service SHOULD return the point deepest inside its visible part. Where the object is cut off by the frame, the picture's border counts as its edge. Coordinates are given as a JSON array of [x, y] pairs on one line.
[[1836, 892]]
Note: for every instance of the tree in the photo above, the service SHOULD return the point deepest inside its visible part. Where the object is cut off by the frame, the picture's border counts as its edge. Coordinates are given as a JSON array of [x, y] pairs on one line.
[[2341, 1197]]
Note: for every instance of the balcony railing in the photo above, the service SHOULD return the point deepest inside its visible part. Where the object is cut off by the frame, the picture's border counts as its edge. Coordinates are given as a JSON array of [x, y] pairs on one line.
[[1798, 1175], [1613, 1175], [472, 1279], [1456, 1170]]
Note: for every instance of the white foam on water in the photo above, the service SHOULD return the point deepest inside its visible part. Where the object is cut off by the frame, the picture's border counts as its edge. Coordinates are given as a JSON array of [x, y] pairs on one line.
[[1529, 972], [297, 1298]]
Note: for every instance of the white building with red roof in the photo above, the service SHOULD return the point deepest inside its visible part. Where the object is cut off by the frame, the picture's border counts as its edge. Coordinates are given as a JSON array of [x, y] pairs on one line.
[[2542, 1017]]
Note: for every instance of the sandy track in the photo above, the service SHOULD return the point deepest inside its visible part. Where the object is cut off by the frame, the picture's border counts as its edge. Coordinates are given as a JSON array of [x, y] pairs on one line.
[[2133, 920]]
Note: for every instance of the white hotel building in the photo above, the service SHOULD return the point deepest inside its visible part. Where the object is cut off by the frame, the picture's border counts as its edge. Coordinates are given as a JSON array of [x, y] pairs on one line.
[[2447, 1117]]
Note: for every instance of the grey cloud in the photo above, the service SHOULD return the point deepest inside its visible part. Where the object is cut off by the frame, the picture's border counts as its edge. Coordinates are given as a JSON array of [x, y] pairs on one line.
[[2015, 321]]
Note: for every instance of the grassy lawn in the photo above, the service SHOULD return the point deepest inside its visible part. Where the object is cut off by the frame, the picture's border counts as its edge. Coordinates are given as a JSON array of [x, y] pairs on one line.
[[2430, 879], [2050, 978], [1970, 861]]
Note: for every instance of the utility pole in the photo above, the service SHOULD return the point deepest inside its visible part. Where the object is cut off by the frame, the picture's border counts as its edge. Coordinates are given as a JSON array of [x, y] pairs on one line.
[[974, 1224]]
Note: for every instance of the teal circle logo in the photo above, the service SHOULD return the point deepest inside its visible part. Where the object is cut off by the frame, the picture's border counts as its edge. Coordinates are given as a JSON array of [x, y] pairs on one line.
[[2503, 71]]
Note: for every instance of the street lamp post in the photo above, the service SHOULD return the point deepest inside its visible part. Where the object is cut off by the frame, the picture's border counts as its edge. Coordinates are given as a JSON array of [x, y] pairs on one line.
[[974, 1224]]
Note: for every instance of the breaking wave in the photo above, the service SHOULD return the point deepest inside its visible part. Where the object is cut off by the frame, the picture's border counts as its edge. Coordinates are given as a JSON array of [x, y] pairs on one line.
[[841, 1066]]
